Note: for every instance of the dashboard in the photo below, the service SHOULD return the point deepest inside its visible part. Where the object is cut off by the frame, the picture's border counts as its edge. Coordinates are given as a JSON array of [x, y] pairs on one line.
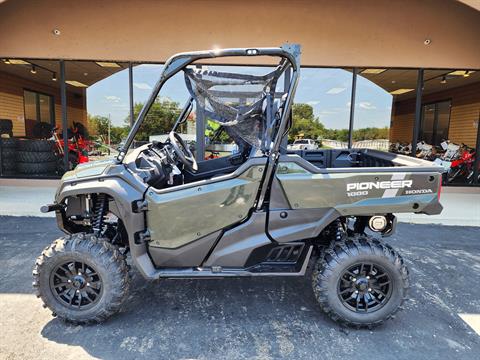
[[159, 165]]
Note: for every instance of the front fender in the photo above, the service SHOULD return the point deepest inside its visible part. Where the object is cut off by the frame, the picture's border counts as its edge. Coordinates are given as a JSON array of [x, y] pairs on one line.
[[120, 187]]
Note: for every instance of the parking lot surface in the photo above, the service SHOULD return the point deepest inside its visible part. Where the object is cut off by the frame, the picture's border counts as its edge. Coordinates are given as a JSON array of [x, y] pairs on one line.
[[258, 318]]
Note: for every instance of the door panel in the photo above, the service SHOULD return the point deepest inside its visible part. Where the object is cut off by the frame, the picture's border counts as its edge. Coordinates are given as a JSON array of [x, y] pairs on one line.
[[176, 218]]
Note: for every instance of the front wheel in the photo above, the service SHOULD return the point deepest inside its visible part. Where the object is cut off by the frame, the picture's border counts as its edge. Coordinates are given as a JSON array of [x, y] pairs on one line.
[[360, 281], [81, 278]]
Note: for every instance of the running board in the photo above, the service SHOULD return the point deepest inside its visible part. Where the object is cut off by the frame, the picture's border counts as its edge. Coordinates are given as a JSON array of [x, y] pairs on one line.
[[219, 272]]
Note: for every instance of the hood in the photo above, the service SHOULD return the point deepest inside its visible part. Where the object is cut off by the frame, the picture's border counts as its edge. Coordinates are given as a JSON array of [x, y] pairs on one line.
[[90, 169]]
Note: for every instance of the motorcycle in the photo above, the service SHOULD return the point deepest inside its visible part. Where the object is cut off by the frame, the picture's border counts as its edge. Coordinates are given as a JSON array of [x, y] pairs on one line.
[[463, 165]]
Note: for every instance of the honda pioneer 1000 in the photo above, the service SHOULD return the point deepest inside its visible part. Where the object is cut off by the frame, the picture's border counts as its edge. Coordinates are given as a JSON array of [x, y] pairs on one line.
[[261, 211]]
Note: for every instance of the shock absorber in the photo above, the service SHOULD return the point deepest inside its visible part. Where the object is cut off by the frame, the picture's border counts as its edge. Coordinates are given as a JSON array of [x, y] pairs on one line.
[[99, 211]]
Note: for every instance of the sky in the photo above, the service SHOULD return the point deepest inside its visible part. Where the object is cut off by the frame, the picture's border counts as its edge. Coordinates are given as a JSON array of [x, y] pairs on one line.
[[328, 91]]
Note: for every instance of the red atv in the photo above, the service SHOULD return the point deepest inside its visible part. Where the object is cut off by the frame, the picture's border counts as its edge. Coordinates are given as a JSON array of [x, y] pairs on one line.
[[463, 165], [78, 143]]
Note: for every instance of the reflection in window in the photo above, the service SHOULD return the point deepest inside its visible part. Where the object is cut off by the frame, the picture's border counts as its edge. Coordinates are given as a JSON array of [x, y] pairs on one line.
[[38, 107], [385, 109], [373, 109], [322, 107]]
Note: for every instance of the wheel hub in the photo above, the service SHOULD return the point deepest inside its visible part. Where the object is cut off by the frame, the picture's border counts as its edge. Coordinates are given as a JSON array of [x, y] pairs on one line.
[[79, 282], [364, 287], [361, 284]]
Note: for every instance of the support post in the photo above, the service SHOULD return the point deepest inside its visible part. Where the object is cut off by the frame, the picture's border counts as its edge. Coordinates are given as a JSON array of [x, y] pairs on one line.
[[286, 85], [130, 92], [418, 112], [476, 163], [200, 129], [200, 132], [352, 107], [63, 99]]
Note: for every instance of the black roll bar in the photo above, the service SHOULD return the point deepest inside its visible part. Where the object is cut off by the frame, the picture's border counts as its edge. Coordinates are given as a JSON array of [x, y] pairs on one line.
[[177, 62]]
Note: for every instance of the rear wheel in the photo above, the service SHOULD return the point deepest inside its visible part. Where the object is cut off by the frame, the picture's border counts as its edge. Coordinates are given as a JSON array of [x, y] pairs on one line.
[[81, 278], [360, 281]]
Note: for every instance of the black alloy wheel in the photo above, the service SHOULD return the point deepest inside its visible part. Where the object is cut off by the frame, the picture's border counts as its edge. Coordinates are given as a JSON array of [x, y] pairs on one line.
[[364, 287], [360, 281], [76, 284], [81, 278]]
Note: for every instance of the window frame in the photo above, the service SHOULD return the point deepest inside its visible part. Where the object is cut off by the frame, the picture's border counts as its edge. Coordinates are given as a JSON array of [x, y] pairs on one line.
[[37, 105]]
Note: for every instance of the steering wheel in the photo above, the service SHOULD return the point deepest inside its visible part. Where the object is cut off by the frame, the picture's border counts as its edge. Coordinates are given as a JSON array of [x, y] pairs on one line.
[[183, 152]]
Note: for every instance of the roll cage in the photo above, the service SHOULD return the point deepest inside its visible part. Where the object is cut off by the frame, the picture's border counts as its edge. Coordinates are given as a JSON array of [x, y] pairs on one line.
[[290, 55]]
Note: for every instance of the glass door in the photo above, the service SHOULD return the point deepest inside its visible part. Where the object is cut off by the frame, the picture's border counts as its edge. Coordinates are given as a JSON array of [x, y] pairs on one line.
[[435, 122]]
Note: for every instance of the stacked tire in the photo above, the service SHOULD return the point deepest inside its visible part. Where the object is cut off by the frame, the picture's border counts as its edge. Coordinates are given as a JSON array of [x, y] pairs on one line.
[[36, 157], [8, 152]]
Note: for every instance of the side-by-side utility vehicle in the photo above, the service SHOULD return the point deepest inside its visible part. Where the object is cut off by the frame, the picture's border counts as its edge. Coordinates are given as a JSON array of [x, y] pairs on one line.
[[262, 211]]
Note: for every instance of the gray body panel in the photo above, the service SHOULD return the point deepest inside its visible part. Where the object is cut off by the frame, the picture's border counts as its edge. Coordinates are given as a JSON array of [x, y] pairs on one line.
[[124, 187], [176, 218], [236, 244], [191, 254], [380, 189]]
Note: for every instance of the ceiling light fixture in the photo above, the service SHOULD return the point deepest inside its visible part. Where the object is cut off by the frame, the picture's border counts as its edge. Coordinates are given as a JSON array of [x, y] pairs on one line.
[[76, 83], [107, 64], [33, 70], [373, 71], [16, 62], [461, 72], [444, 80], [54, 77], [400, 91]]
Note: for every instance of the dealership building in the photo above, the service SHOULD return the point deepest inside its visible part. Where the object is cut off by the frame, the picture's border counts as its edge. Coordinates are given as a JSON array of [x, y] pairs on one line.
[[423, 55]]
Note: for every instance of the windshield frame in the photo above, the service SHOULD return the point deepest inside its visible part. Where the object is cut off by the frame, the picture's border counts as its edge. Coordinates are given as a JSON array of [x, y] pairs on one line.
[[180, 61]]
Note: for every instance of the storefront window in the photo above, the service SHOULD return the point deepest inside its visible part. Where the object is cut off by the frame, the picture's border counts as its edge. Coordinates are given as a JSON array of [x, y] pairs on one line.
[[322, 107], [102, 102], [98, 109], [38, 109], [29, 94], [385, 109], [450, 116]]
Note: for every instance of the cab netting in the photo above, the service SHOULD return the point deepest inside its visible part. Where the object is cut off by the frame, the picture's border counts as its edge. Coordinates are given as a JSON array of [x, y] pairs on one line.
[[242, 104]]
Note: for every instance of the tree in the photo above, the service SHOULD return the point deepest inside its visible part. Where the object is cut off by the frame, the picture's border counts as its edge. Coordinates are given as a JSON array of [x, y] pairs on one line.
[[304, 123], [159, 120], [98, 125], [118, 133]]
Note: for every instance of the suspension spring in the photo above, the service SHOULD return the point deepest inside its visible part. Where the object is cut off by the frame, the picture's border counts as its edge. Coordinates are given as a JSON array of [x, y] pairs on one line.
[[339, 230], [99, 211]]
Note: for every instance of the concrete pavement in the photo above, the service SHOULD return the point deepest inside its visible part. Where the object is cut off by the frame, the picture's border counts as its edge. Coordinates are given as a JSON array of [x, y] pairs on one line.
[[276, 318]]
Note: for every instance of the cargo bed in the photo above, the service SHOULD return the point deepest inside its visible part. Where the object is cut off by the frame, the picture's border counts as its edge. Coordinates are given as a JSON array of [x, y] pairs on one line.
[[360, 158]]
